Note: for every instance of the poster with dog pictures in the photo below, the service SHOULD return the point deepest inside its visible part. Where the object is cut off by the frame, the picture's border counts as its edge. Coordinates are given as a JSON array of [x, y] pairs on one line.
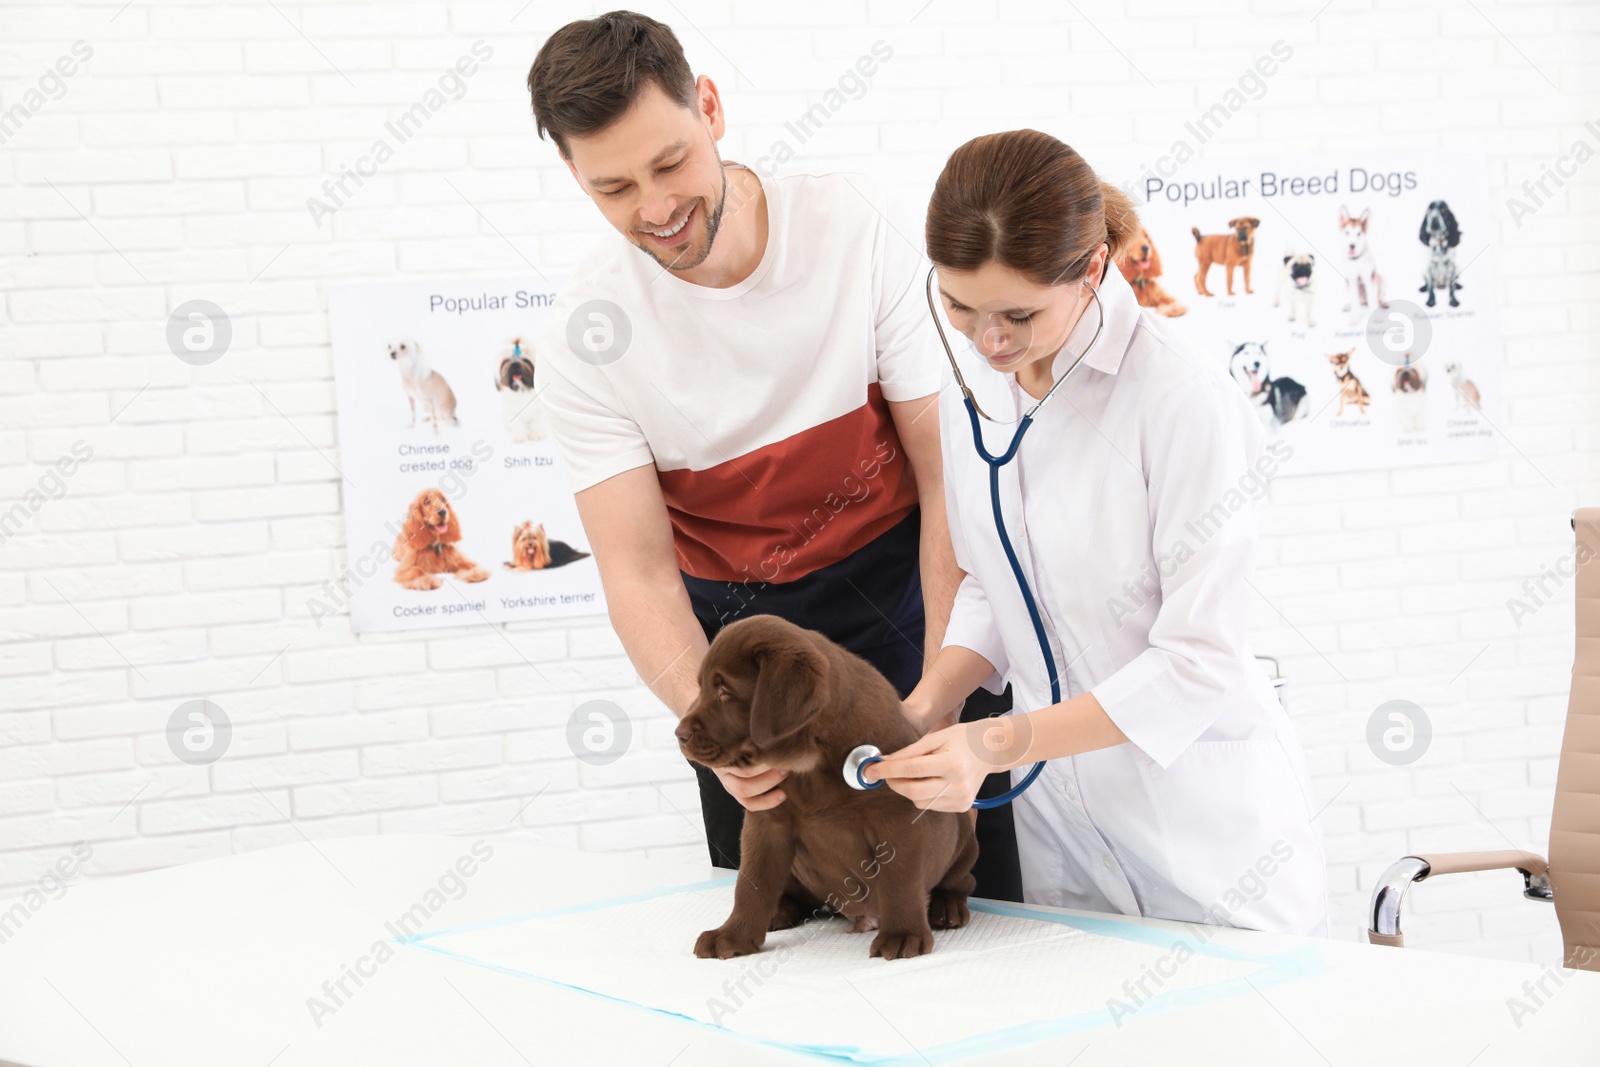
[[456, 510], [1350, 296]]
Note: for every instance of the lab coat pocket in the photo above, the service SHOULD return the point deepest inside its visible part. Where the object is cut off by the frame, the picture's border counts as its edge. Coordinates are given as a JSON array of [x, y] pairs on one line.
[[1236, 837]]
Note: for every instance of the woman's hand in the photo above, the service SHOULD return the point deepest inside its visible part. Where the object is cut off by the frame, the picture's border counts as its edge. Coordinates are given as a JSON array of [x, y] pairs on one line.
[[755, 787], [945, 769]]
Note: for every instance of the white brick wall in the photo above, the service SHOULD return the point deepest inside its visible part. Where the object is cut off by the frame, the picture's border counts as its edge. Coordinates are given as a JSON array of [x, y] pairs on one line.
[[177, 564]]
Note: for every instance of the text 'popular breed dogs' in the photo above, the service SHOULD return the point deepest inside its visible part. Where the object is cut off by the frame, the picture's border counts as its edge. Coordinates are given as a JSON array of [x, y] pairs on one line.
[[774, 693]]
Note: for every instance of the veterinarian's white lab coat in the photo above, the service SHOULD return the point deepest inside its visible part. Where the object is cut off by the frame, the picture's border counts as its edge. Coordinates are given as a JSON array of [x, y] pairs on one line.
[[1131, 506]]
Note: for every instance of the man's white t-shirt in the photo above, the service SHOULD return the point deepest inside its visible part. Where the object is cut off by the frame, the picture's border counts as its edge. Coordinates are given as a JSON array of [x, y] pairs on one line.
[[761, 405]]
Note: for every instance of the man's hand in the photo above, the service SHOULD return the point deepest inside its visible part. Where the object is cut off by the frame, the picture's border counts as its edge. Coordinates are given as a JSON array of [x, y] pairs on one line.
[[755, 786], [920, 715]]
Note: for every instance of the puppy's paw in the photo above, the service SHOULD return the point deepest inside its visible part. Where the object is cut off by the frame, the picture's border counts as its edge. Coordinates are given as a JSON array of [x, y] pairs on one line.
[[947, 910], [902, 944], [722, 944]]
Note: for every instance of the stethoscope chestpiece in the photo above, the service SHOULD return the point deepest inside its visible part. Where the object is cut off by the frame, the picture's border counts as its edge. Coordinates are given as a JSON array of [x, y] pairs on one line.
[[861, 757]]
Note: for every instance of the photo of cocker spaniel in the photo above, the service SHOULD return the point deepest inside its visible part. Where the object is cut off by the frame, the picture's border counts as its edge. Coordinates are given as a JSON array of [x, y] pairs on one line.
[[1141, 266], [426, 547], [532, 550]]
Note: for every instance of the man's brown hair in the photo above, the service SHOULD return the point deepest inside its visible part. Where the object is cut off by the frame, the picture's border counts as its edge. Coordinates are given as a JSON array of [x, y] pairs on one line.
[[589, 72]]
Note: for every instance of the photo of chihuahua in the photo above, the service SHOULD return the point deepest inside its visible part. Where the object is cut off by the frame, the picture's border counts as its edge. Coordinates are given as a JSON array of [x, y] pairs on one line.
[[424, 386], [1362, 282], [1295, 275], [1235, 249], [514, 381], [1411, 397], [531, 550], [774, 693], [1351, 391], [426, 547]]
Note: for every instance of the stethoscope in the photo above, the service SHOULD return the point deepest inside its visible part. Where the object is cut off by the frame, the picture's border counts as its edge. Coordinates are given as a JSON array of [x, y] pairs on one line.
[[864, 756]]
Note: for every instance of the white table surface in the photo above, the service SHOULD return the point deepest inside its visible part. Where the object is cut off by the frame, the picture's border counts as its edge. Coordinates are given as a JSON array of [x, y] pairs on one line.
[[212, 964]]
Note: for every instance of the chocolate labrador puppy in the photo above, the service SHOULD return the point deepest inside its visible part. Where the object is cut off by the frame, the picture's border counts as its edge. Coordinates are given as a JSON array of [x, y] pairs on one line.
[[772, 692]]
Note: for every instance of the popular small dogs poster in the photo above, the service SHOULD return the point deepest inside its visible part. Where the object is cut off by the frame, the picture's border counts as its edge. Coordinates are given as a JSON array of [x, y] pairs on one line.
[[457, 512], [1348, 297]]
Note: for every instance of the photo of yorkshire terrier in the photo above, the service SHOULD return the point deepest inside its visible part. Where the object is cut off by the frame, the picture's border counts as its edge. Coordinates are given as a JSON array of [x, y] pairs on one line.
[[426, 547], [531, 550]]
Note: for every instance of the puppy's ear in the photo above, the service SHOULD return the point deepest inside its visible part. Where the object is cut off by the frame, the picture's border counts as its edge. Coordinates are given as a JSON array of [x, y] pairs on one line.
[[791, 690]]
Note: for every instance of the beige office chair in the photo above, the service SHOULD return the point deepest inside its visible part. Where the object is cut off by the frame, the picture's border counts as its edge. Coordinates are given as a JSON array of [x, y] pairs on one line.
[[1571, 880]]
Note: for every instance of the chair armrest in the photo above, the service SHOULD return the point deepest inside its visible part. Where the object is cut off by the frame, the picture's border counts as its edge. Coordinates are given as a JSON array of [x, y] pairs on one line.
[[1389, 893], [1531, 864]]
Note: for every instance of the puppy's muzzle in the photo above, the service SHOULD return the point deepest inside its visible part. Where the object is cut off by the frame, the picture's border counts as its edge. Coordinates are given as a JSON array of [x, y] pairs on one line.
[[695, 744]]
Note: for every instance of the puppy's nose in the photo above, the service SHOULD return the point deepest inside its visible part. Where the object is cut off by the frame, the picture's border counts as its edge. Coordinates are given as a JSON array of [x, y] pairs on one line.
[[684, 731]]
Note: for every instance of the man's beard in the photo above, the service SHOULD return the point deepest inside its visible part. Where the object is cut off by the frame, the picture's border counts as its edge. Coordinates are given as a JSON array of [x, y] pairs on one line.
[[678, 262]]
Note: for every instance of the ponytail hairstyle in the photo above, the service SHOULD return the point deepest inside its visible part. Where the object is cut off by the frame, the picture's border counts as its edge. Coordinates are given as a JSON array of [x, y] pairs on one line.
[[1029, 202]]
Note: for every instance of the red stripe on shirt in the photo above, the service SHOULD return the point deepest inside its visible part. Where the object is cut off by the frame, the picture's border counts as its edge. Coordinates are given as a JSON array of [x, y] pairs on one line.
[[786, 509]]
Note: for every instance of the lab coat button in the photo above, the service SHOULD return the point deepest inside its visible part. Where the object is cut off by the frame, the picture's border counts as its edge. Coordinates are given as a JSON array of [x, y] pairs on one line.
[[1071, 792], [1110, 863]]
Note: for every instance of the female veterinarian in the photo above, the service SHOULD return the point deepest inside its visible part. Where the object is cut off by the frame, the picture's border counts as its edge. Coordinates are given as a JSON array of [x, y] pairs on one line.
[[1174, 786]]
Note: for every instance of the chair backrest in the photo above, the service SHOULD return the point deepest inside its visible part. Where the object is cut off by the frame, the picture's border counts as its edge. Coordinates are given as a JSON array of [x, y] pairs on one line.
[[1575, 821]]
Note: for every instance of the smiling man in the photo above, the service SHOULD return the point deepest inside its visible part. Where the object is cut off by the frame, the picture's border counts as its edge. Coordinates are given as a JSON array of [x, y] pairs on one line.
[[742, 391]]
